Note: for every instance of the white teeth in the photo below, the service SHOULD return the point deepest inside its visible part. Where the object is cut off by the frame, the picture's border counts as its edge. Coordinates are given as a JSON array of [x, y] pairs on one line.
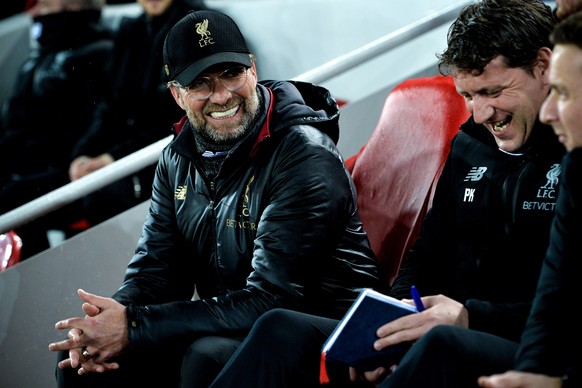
[[222, 115]]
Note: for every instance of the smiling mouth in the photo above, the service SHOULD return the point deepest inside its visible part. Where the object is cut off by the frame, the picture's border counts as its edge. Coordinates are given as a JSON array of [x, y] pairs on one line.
[[501, 126], [224, 115]]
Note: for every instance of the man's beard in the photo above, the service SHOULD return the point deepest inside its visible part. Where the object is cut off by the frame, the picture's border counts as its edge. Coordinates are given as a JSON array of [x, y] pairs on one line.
[[250, 109]]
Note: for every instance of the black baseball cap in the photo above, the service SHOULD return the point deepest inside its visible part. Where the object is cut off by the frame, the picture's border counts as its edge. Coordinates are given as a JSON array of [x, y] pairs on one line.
[[202, 39]]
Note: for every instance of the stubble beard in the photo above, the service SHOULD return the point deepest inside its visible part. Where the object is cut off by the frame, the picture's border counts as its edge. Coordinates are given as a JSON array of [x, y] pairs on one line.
[[225, 135]]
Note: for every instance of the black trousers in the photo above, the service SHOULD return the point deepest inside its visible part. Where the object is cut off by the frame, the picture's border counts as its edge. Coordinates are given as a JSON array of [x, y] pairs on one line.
[[283, 349], [452, 356], [194, 366]]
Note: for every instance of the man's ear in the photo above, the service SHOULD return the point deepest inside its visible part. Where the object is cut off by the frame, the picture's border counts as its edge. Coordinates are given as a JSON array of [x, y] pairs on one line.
[[254, 71], [544, 55], [177, 96]]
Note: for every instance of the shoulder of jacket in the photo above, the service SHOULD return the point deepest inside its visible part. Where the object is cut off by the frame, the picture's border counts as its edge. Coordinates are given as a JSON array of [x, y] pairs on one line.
[[101, 46]]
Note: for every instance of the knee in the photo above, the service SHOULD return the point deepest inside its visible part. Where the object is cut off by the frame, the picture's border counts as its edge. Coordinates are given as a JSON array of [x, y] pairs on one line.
[[280, 320], [273, 319], [441, 338], [277, 328], [203, 350]]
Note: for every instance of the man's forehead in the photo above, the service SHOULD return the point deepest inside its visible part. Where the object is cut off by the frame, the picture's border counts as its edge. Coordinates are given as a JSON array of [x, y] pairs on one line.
[[219, 67], [494, 76], [566, 61]]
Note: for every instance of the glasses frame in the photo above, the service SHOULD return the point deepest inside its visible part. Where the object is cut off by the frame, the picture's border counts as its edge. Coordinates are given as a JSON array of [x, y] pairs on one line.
[[211, 81]]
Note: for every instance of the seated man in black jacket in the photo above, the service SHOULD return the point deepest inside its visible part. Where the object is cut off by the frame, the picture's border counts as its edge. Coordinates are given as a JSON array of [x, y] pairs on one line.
[[252, 208], [480, 249], [136, 109], [549, 352], [50, 109]]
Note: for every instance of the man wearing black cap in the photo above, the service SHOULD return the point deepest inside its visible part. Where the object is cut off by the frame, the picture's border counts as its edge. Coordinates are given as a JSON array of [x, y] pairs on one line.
[[252, 209]]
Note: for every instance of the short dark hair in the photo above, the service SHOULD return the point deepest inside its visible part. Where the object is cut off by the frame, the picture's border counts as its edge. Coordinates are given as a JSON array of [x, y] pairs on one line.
[[513, 29], [569, 31]]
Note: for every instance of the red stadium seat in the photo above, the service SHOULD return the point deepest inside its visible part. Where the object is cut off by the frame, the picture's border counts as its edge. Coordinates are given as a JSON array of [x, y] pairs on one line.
[[395, 173], [10, 248]]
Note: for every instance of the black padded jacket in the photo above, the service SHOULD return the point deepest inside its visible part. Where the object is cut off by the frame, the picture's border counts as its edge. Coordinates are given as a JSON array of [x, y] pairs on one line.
[[278, 227], [483, 241], [55, 93]]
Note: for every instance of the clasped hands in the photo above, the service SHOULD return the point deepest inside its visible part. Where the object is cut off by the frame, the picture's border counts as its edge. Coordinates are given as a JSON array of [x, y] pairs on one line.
[[84, 165], [94, 339], [440, 310]]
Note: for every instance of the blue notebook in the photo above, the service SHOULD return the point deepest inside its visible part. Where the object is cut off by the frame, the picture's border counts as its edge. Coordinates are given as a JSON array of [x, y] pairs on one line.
[[351, 343]]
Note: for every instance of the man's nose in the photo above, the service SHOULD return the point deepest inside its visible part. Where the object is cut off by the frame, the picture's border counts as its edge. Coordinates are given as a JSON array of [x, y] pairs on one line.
[[220, 94], [481, 109]]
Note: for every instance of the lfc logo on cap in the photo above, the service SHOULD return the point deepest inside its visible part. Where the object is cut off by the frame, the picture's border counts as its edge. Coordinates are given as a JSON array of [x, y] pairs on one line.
[[202, 30]]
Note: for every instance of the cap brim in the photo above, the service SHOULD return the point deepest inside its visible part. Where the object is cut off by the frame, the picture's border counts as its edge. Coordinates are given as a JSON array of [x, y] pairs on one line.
[[191, 72]]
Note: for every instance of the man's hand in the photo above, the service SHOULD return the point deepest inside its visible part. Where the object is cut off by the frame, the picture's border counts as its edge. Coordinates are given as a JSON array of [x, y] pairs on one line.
[[439, 310], [375, 376], [515, 379], [84, 165], [95, 338]]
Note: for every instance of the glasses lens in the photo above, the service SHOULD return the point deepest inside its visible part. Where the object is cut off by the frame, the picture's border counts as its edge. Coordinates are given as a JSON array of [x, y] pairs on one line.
[[232, 79], [200, 88]]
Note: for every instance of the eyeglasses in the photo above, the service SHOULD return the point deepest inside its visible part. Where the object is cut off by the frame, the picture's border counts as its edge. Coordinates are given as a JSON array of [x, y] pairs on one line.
[[202, 87]]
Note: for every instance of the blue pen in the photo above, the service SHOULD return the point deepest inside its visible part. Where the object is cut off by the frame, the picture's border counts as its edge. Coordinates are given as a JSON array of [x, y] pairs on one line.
[[416, 298]]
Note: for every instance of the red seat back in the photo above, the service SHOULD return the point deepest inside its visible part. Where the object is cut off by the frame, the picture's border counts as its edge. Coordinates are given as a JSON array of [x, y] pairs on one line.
[[395, 173], [10, 248]]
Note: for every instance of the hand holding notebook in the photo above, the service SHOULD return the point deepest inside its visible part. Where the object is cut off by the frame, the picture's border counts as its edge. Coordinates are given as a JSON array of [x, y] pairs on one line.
[[351, 343]]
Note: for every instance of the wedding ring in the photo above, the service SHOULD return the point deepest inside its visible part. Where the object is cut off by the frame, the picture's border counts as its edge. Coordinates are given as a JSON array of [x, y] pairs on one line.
[[86, 353]]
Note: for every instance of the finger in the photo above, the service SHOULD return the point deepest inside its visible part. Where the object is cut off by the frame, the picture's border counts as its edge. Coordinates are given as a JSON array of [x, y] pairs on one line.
[[63, 345], [65, 364], [84, 170], [404, 335], [397, 325], [70, 323], [75, 357], [90, 309], [74, 334], [353, 374], [91, 366], [72, 362], [484, 382], [96, 300], [375, 375], [409, 301]]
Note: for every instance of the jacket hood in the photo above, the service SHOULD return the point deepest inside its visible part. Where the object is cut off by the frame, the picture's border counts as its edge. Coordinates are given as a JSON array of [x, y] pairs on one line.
[[302, 103]]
